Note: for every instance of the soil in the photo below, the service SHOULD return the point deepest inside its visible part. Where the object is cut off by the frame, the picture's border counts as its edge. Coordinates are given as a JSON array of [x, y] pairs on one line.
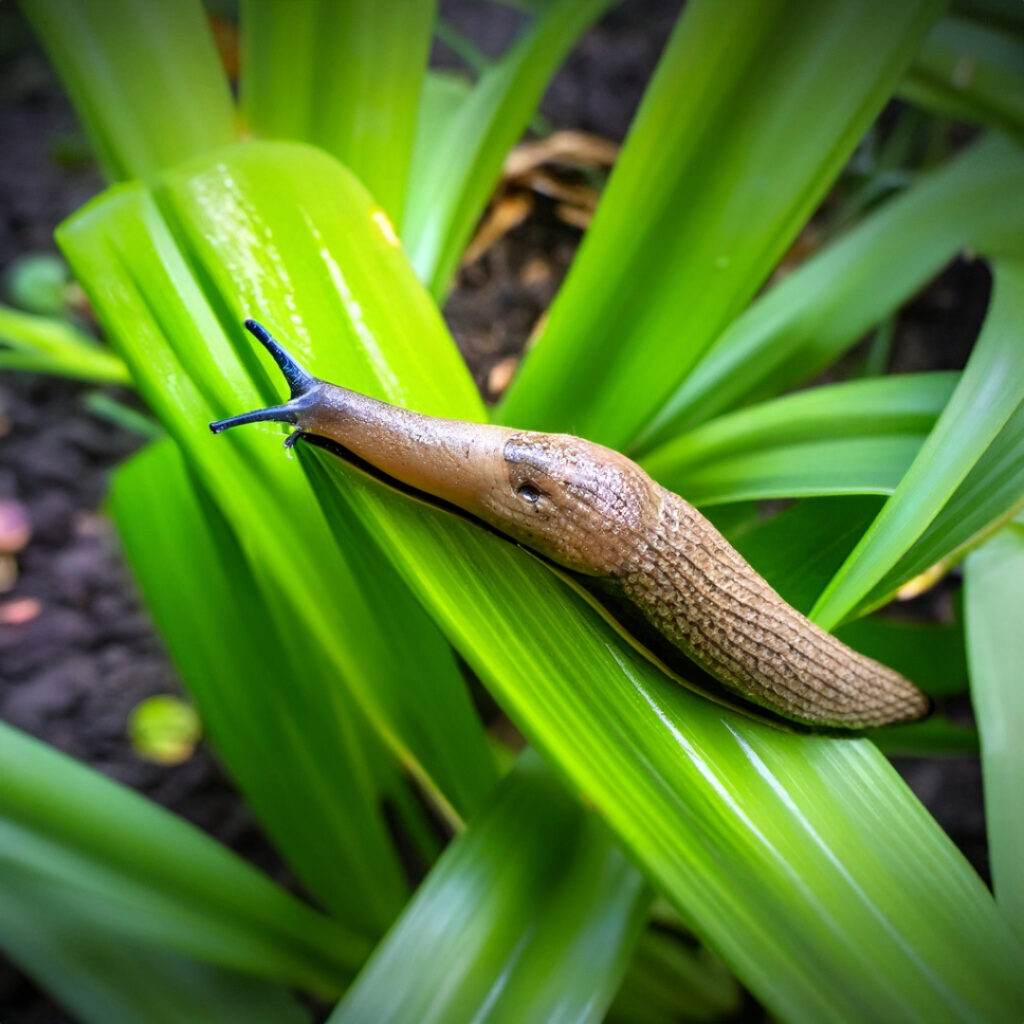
[[73, 672]]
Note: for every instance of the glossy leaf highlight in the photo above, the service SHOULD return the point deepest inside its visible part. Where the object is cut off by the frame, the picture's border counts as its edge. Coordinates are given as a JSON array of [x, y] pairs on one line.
[[533, 930]]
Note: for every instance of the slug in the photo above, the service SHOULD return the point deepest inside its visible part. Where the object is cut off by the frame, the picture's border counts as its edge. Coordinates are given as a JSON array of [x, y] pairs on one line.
[[647, 559]]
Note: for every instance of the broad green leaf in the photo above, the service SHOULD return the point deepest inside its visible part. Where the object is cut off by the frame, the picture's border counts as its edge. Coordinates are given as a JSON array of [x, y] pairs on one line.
[[1003, 14], [990, 494], [936, 736], [142, 265], [989, 393], [292, 740], [797, 859], [441, 99], [110, 409], [971, 72], [153, 878], [994, 582], [870, 465], [145, 78], [854, 438], [60, 935], [799, 550], [671, 980], [531, 930], [752, 112], [803, 323], [45, 344], [343, 76], [453, 178]]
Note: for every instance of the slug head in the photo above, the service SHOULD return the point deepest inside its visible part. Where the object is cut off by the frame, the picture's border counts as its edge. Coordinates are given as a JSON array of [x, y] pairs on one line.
[[584, 506], [580, 504]]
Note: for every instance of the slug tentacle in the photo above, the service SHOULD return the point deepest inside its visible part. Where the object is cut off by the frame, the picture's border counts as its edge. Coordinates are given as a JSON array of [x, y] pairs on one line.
[[301, 383], [299, 379], [273, 414], [647, 559]]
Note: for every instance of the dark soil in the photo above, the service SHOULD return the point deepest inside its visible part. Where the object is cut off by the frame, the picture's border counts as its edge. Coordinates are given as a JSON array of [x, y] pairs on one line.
[[72, 674]]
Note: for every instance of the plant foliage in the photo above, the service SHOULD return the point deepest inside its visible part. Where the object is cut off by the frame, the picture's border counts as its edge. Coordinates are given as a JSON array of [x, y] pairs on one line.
[[314, 617]]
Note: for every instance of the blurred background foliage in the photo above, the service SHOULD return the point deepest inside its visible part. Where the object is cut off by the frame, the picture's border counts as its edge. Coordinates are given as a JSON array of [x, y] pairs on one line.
[[648, 856]]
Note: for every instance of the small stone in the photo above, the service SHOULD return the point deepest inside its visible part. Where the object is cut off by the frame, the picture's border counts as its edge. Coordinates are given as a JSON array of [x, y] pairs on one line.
[[535, 271], [51, 516], [501, 375], [20, 611], [8, 573], [15, 528]]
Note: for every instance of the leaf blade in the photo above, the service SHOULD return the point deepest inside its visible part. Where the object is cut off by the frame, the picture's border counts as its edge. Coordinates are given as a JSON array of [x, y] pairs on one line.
[[803, 323], [300, 761], [161, 318], [345, 77], [165, 882], [667, 275], [797, 859], [140, 113], [994, 592], [990, 391], [532, 930], [452, 184], [855, 437]]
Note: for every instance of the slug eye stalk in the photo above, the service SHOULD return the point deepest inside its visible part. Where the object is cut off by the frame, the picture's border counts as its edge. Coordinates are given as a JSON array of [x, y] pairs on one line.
[[301, 383]]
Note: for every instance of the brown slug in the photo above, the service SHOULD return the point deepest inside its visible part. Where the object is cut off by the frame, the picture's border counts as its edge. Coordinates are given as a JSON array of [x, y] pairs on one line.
[[646, 558]]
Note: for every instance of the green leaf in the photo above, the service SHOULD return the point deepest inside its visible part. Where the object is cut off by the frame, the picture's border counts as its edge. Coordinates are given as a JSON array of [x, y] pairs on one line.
[[453, 178], [990, 391], [45, 344], [994, 582], [533, 930], [798, 859], [935, 737], [154, 879], [108, 408], [145, 78], [294, 742], [441, 99], [799, 550], [989, 495], [971, 72], [853, 438], [730, 152], [1004, 14], [670, 981], [803, 323], [343, 76], [152, 272], [62, 937]]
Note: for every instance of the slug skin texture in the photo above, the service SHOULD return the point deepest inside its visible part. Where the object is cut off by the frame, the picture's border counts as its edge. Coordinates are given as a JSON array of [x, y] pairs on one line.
[[647, 558]]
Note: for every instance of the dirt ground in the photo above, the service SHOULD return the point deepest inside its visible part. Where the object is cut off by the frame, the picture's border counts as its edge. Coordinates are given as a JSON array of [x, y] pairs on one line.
[[73, 672]]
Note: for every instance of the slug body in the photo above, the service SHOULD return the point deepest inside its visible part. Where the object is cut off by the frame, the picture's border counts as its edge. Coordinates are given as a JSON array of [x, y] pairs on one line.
[[647, 558]]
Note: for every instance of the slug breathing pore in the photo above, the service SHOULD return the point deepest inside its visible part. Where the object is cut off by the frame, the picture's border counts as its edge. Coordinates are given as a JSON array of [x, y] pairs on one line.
[[646, 558]]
